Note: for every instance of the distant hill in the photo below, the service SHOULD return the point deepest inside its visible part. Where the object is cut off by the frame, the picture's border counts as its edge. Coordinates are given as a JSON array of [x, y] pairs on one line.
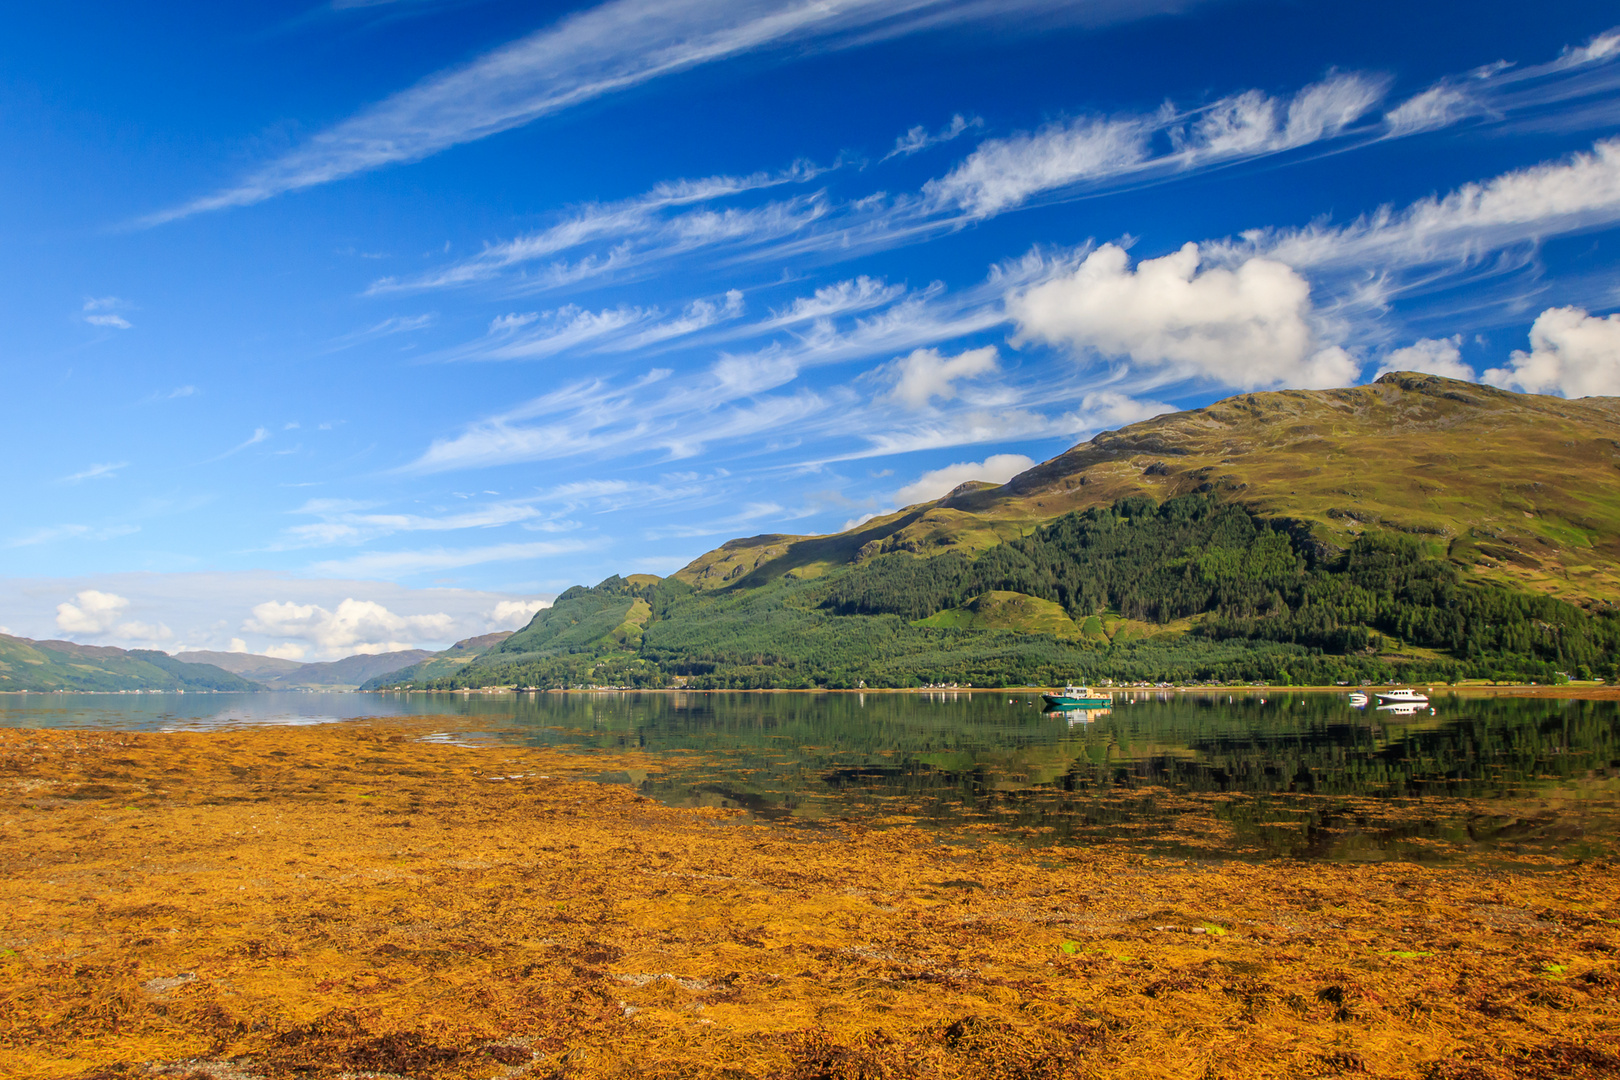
[[346, 674], [440, 664], [351, 672], [247, 665], [64, 665]]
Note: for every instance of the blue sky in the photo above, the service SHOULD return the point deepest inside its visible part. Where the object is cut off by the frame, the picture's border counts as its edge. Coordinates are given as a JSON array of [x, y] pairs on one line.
[[335, 328]]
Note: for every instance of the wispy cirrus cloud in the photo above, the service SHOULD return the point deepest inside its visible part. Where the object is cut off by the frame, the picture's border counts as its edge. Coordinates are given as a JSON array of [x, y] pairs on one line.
[[394, 324], [348, 523], [171, 395], [54, 533], [920, 138], [1486, 229], [1004, 173], [1089, 153], [259, 435], [595, 53], [642, 219], [1574, 91], [105, 471], [394, 564], [103, 311], [1086, 155]]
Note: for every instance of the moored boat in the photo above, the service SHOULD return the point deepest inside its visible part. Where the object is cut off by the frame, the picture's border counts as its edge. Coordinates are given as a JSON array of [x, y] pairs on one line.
[[1358, 700], [1402, 697], [1077, 697]]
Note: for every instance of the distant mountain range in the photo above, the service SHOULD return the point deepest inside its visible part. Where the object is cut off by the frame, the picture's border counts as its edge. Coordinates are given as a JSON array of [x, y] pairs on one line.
[[1415, 528], [64, 665], [349, 673]]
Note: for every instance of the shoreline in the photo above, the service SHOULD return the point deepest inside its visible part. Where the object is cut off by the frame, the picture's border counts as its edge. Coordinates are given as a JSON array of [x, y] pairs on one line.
[[1585, 692]]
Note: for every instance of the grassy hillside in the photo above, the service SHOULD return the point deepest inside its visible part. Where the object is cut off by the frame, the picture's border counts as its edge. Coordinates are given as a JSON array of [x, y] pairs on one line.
[[1417, 528], [1002, 610], [1192, 589], [581, 623], [1523, 488], [65, 665]]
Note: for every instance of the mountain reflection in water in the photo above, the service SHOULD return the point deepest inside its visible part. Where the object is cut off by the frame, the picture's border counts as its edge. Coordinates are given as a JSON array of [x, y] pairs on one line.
[[1300, 775], [1297, 775]]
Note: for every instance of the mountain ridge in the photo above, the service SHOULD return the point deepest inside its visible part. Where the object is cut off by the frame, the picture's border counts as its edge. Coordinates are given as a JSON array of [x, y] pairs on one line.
[[1274, 452]]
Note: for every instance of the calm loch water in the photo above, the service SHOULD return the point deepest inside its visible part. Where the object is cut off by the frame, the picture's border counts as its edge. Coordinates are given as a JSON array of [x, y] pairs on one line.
[[1210, 775]]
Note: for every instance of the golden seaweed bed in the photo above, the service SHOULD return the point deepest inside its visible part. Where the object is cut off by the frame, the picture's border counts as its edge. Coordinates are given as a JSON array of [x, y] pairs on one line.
[[352, 900]]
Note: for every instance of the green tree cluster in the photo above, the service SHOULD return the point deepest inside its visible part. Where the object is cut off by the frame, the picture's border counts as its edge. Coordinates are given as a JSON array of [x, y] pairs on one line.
[[1266, 604]]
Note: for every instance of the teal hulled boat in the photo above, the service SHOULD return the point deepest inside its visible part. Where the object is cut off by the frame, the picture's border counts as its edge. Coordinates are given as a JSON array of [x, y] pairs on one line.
[[1076, 697]]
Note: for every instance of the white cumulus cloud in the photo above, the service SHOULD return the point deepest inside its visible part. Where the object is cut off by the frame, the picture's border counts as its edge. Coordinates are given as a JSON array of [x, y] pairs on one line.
[[94, 613], [996, 469], [924, 374], [90, 612], [513, 614], [1432, 356], [1571, 353], [355, 626], [1246, 327]]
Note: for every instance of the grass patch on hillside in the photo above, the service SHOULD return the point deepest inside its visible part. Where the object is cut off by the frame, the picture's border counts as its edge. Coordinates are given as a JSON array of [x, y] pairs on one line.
[[999, 610]]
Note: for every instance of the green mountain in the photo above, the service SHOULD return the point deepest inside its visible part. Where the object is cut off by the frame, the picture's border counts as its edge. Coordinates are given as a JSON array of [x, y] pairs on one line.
[[1419, 528], [64, 665]]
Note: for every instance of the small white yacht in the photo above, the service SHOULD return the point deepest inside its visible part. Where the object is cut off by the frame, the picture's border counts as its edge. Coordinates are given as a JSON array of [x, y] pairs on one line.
[[1402, 697], [1358, 700]]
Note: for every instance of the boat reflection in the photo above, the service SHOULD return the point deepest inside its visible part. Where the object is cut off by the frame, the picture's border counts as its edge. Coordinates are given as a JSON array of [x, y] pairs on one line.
[[1405, 708], [1076, 716]]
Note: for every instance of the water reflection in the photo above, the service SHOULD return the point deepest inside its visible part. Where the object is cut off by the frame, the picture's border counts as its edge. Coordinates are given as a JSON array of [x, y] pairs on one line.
[[1300, 775]]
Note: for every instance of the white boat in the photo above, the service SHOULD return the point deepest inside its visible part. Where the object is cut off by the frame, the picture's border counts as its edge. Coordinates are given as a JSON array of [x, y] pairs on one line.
[[1358, 700], [1403, 697]]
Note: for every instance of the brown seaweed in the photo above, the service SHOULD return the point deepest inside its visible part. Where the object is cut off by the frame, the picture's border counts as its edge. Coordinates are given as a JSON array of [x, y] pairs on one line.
[[351, 900]]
